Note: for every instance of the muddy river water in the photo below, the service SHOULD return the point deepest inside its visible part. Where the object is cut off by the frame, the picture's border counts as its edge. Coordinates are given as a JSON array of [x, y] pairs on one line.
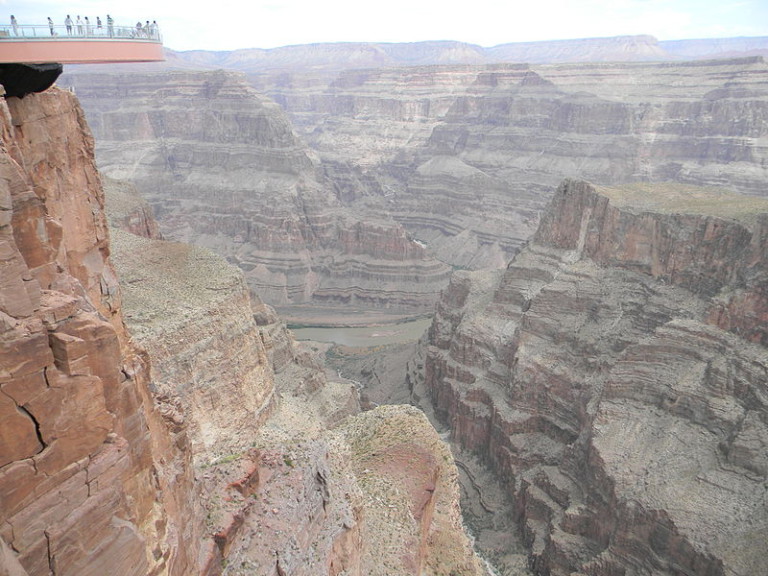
[[366, 336]]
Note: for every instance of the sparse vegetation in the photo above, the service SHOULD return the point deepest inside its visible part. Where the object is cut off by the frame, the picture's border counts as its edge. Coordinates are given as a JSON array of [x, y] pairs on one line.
[[677, 198]]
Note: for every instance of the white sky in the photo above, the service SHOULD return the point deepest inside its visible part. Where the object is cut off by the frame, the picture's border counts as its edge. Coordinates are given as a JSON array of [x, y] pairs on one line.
[[233, 24]]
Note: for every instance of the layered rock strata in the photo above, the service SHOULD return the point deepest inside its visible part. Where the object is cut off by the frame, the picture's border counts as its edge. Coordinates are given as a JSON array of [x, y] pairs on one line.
[[93, 479], [192, 311], [600, 378], [465, 157], [214, 366], [464, 153], [97, 473], [222, 168]]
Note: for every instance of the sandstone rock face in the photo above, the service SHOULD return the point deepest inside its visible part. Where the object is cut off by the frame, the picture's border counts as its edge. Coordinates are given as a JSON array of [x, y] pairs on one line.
[[92, 480], [598, 376], [222, 169]]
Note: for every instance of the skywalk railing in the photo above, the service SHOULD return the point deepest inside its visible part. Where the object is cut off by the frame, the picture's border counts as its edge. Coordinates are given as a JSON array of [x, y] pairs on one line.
[[82, 32]]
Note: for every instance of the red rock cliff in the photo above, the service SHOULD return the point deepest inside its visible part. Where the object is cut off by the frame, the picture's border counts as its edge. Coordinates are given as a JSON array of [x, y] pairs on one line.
[[92, 481]]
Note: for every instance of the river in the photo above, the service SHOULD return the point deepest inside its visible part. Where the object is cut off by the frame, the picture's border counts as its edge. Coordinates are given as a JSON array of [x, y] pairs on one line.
[[366, 336]]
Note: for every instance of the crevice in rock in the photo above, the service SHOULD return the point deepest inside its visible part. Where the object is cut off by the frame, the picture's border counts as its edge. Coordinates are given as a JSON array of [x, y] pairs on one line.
[[10, 541], [45, 375], [51, 557], [39, 434], [475, 485]]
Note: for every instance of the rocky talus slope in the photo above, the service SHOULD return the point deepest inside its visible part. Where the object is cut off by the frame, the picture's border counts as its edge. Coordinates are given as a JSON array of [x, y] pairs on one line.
[[222, 168], [615, 377], [93, 478], [284, 493]]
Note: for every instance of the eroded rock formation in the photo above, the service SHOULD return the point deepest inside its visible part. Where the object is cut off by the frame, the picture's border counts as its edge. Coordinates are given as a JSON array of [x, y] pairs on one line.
[[463, 156], [177, 460], [191, 309], [283, 493], [410, 493], [598, 376]]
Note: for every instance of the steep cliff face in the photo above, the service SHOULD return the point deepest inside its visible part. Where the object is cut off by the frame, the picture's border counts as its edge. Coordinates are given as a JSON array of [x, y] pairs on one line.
[[191, 309], [92, 479], [222, 168], [600, 376]]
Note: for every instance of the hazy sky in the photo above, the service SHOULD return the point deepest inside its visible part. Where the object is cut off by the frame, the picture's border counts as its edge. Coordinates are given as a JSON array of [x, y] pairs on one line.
[[232, 24]]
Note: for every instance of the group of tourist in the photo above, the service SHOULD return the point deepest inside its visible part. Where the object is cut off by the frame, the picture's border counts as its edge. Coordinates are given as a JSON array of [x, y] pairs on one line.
[[148, 30], [86, 28]]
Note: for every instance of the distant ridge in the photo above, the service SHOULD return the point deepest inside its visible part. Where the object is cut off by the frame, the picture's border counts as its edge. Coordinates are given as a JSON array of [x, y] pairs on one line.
[[332, 57], [614, 49], [716, 48]]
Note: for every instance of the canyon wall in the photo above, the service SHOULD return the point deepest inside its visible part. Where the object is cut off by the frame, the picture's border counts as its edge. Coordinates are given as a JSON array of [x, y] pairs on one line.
[[602, 376], [466, 157], [192, 311], [222, 169], [92, 480]]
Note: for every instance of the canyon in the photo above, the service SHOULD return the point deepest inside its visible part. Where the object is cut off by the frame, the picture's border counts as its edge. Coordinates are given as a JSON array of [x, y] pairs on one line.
[[590, 238], [222, 168], [167, 423]]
